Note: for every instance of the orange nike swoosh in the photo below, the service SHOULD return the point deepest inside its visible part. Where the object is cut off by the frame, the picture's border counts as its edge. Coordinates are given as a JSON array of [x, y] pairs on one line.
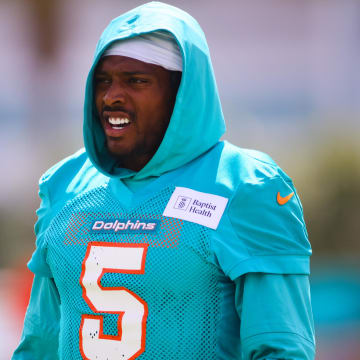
[[283, 200]]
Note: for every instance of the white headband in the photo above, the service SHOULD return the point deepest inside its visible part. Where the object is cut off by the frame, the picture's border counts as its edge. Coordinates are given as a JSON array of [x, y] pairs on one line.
[[159, 48]]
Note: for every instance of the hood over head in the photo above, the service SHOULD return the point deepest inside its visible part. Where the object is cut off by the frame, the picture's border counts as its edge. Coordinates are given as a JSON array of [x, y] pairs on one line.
[[197, 121]]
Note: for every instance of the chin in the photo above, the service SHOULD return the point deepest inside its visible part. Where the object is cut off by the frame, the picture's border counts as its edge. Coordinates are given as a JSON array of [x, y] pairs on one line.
[[118, 153]]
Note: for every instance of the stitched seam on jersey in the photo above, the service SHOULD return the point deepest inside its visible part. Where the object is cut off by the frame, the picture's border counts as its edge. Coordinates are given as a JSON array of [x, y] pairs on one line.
[[275, 167], [278, 332], [300, 207], [276, 326], [273, 255], [44, 233], [265, 255]]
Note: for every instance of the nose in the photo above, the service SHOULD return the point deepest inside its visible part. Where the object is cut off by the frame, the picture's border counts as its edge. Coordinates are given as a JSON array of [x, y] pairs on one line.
[[115, 94]]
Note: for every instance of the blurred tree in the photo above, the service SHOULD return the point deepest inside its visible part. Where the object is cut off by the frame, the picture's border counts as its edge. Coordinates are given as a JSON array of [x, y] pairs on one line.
[[331, 197], [45, 19]]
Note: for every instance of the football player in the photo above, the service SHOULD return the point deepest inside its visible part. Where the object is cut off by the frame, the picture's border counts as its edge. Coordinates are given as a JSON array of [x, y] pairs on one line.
[[158, 240]]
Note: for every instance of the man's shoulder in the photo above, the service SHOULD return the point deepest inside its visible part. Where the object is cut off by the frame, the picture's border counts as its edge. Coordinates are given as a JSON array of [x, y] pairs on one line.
[[70, 176], [265, 213], [245, 166], [67, 166]]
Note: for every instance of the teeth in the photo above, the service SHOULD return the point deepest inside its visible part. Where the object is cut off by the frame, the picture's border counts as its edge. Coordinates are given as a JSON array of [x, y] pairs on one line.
[[118, 121]]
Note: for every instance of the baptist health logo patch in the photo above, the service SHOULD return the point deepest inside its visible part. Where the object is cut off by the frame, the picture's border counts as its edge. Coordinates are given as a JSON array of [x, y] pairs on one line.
[[182, 203], [195, 206]]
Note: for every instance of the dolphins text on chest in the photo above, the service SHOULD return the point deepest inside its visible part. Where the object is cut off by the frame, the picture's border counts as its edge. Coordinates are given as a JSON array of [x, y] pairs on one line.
[[124, 225]]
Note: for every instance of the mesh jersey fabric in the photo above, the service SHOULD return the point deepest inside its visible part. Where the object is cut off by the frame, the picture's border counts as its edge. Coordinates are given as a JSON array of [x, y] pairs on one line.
[[183, 310], [188, 270]]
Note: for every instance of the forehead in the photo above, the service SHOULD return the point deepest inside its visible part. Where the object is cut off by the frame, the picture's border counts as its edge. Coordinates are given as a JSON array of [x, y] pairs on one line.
[[123, 64]]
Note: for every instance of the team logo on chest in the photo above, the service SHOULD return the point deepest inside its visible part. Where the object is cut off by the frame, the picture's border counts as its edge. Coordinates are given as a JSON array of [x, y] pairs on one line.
[[125, 225]]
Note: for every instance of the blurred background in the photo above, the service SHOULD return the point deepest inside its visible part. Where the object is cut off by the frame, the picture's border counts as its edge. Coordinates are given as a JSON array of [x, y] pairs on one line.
[[289, 80]]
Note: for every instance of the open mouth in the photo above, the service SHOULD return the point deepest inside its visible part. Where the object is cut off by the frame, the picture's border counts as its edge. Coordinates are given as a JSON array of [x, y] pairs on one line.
[[118, 123]]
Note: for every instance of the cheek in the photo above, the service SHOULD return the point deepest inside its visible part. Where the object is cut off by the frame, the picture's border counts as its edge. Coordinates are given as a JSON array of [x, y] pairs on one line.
[[160, 103], [98, 96]]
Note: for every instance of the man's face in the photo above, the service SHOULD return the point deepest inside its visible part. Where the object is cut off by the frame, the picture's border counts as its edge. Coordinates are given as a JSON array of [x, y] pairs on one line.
[[134, 101]]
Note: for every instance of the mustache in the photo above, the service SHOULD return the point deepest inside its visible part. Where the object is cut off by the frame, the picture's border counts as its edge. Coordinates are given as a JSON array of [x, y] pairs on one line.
[[119, 109], [114, 108]]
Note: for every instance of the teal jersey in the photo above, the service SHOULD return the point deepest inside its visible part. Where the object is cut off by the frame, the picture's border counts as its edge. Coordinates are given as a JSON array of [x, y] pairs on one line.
[[207, 257], [181, 285]]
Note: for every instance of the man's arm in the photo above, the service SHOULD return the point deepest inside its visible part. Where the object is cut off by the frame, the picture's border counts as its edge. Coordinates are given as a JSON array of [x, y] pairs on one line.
[[42, 322], [41, 325], [276, 317]]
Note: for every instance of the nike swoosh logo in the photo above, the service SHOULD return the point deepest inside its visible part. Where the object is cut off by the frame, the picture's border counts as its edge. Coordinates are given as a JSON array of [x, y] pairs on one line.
[[283, 200]]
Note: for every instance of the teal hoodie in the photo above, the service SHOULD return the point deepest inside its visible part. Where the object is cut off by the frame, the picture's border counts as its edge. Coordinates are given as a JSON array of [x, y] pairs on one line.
[[235, 289], [197, 121]]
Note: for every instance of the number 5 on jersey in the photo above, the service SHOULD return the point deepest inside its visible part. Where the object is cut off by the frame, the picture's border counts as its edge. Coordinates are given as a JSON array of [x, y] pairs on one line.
[[101, 258]]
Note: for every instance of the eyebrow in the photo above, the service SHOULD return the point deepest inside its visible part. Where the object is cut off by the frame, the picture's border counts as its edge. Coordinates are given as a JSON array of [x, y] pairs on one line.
[[137, 73], [128, 73]]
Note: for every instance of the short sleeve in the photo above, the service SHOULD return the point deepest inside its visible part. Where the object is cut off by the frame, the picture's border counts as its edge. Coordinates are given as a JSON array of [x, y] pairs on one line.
[[38, 264], [263, 230]]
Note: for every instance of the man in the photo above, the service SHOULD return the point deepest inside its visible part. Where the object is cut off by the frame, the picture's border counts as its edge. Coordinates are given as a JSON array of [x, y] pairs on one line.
[[159, 241]]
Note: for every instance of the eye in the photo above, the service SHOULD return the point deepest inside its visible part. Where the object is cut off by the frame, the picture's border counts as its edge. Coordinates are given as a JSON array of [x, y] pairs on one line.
[[136, 80], [102, 80]]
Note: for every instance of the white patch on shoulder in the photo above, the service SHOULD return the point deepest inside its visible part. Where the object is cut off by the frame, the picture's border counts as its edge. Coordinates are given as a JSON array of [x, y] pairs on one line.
[[195, 206]]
